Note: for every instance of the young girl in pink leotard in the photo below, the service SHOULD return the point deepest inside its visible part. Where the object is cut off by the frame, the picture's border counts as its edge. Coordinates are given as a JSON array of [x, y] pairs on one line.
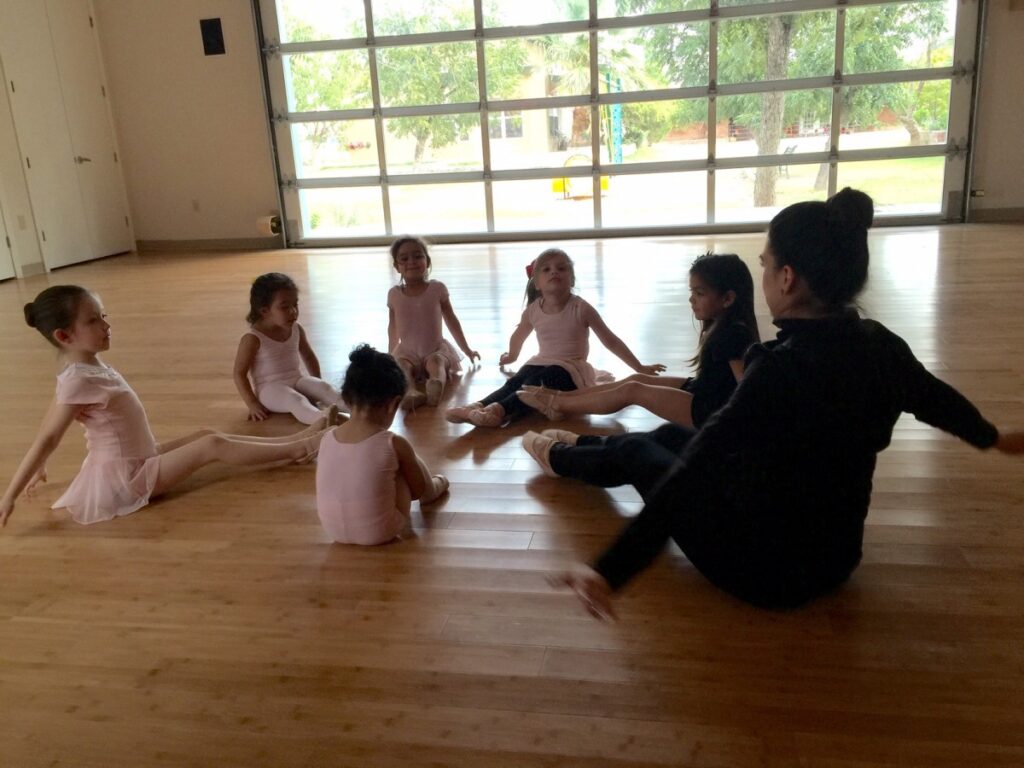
[[125, 466], [272, 353], [366, 476], [416, 307]]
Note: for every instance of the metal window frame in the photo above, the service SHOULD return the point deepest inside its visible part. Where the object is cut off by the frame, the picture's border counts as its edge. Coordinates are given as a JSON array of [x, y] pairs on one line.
[[961, 75]]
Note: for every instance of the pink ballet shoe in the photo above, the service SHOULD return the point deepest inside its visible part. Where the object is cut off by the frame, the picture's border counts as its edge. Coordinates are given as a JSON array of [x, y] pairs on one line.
[[492, 415], [435, 388], [561, 436], [541, 399], [460, 413], [539, 447]]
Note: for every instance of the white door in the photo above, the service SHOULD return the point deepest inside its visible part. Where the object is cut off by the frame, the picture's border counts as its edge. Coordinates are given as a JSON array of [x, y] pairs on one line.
[[6, 255], [42, 127], [88, 116]]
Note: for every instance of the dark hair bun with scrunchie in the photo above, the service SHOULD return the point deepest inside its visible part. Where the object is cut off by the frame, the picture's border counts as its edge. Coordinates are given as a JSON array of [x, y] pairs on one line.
[[850, 209], [373, 378], [54, 309]]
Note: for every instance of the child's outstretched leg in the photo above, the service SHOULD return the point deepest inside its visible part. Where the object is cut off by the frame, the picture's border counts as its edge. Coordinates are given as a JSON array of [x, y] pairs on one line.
[[279, 397], [437, 377], [178, 463], [413, 397], [319, 390], [669, 403]]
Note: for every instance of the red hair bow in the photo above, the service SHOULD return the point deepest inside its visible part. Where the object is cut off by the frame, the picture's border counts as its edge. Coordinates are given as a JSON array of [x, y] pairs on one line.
[[529, 270]]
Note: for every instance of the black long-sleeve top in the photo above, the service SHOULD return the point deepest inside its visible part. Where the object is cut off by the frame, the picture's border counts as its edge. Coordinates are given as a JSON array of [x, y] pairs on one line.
[[792, 454]]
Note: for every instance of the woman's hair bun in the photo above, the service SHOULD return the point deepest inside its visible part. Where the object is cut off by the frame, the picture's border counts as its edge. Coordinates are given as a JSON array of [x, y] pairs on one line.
[[851, 209], [30, 314]]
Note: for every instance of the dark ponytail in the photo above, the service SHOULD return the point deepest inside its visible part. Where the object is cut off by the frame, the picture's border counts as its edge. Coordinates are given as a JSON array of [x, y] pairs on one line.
[[54, 309], [826, 243]]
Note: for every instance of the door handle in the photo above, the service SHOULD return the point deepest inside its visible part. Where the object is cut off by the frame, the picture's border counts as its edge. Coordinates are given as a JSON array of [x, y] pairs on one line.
[[79, 159]]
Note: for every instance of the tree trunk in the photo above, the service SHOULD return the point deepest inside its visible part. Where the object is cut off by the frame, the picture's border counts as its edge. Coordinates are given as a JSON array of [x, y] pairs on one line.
[[769, 131], [421, 148], [580, 126], [908, 122]]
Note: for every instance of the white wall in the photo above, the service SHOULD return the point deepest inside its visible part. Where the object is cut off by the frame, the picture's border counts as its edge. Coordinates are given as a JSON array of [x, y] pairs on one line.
[[192, 128], [999, 153]]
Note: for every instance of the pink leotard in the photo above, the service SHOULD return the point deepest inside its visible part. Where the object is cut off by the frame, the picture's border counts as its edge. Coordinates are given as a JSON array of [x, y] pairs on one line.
[[121, 468], [355, 489], [563, 339], [418, 319]]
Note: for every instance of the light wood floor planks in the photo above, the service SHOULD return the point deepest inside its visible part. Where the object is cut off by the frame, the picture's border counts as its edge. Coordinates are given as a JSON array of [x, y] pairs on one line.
[[218, 627]]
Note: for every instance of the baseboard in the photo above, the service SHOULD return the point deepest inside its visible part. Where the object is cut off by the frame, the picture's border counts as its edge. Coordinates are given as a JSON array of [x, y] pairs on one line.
[[35, 268], [995, 215], [225, 244]]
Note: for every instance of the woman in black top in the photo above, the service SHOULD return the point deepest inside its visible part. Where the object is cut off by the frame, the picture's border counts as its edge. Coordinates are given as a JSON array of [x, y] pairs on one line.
[[722, 299], [768, 500]]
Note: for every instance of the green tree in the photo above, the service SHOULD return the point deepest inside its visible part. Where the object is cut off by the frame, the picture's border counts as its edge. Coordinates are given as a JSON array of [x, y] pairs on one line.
[[443, 73], [794, 45]]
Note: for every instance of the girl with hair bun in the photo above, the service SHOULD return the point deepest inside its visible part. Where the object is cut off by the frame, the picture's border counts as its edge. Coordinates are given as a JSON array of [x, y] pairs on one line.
[[768, 499], [125, 467], [366, 476]]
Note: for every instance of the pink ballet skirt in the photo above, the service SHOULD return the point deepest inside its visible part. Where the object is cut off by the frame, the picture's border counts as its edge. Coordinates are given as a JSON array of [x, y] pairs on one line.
[[121, 468]]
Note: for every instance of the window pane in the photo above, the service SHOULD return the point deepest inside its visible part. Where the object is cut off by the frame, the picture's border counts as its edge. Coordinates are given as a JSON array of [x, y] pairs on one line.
[[303, 21], [432, 208], [757, 194], [802, 122], [335, 148], [900, 36], [545, 137], [327, 80], [909, 185], [407, 17], [656, 131], [536, 67], [623, 8], [656, 199], [543, 204], [516, 13], [433, 144], [427, 74], [777, 47], [343, 212], [663, 56], [895, 115]]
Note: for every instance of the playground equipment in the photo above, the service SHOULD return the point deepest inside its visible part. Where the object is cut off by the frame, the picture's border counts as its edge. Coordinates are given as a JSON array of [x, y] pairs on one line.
[[575, 187]]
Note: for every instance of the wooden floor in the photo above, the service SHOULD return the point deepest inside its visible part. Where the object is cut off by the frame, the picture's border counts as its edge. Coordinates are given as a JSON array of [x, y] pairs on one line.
[[218, 627]]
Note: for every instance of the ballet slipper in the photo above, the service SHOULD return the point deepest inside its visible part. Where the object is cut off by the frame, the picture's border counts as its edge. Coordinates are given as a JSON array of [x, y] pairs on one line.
[[561, 436], [413, 399], [543, 400], [460, 413], [435, 388], [539, 447], [492, 415]]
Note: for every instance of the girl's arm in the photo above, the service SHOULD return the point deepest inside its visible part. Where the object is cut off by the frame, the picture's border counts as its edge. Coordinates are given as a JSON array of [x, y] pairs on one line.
[[409, 466], [308, 355], [617, 346], [33, 467], [737, 368], [248, 346], [515, 342], [455, 328], [392, 330]]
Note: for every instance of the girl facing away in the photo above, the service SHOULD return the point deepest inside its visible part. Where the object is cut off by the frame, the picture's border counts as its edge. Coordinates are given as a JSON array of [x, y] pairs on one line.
[[125, 467], [268, 365], [563, 322], [416, 307], [722, 300], [367, 476], [769, 499]]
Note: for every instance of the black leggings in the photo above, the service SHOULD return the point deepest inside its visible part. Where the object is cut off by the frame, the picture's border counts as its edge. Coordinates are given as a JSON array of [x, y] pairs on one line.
[[550, 376], [640, 459]]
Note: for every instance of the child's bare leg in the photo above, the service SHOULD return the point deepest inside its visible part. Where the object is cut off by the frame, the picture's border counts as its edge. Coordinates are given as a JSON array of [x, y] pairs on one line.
[[180, 462], [669, 403], [433, 485], [413, 397]]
